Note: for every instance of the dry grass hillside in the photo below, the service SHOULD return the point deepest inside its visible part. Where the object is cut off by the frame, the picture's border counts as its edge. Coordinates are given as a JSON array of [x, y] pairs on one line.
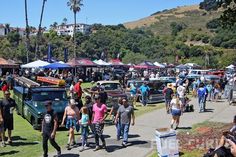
[[192, 16]]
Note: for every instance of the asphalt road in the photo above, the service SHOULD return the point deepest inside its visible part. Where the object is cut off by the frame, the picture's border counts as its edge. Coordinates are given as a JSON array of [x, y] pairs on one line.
[[142, 135]]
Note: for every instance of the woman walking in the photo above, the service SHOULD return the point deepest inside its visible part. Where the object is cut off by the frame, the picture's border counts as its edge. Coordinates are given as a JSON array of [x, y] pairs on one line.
[[84, 127], [72, 116], [176, 110]]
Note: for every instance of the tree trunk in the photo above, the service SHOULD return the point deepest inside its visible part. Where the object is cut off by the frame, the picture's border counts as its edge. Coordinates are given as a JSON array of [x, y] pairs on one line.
[[27, 32], [74, 34], [39, 31]]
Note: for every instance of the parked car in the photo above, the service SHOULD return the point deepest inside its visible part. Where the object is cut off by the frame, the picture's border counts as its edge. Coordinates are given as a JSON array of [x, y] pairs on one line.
[[156, 89], [114, 91], [30, 98]]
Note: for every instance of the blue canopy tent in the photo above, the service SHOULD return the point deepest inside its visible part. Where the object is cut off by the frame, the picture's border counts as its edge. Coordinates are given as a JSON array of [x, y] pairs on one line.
[[56, 66]]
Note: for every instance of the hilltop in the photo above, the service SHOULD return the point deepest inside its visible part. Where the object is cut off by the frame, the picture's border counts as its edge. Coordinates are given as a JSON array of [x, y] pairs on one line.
[[159, 22]]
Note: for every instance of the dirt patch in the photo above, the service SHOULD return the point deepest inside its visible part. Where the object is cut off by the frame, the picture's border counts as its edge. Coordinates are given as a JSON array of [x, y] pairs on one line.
[[203, 137], [204, 130]]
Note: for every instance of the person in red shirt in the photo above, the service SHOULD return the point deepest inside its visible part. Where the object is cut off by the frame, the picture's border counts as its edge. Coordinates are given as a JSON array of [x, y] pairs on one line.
[[78, 93]]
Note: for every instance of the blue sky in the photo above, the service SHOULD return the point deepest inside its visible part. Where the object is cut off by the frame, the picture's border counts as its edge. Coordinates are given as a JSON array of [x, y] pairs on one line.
[[93, 11]]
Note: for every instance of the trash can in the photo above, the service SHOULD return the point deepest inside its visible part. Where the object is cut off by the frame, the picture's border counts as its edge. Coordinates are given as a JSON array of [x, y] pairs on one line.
[[167, 144]]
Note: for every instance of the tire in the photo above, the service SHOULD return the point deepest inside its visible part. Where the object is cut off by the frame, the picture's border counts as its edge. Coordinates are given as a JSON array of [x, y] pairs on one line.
[[17, 111], [33, 123]]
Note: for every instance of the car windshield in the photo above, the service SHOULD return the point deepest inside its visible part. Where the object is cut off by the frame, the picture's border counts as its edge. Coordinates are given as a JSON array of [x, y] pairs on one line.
[[49, 95], [112, 86]]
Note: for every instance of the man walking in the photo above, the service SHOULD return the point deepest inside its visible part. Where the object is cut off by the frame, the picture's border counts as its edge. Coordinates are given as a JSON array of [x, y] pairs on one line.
[[144, 89], [201, 97], [8, 105], [124, 114], [49, 128], [78, 93]]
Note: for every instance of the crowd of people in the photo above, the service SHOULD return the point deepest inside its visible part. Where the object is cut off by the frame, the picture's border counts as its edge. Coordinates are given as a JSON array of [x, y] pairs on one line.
[[88, 116]]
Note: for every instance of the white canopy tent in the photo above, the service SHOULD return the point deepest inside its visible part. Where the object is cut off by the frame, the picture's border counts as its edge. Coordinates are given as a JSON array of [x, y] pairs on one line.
[[230, 66], [35, 64], [159, 65], [101, 62]]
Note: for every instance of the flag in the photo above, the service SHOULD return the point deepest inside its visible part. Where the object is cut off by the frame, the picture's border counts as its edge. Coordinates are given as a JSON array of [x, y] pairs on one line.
[[49, 53], [65, 55]]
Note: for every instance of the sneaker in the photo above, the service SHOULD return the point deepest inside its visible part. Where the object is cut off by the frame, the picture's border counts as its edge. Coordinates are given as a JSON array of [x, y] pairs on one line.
[[3, 144], [58, 154], [124, 144], [9, 142], [97, 148], [104, 146], [68, 147]]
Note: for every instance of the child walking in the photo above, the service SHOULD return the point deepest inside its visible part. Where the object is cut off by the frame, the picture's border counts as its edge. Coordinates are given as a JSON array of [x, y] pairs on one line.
[[84, 127]]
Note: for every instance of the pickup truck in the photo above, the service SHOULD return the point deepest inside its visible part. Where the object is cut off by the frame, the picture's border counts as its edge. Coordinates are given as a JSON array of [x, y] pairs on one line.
[[114, 91], [30, 98]]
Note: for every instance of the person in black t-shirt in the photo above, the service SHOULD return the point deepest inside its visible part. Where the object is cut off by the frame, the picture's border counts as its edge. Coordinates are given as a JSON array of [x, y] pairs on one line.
[[7, 106], [168, 96], [49, 127], [103, 95]]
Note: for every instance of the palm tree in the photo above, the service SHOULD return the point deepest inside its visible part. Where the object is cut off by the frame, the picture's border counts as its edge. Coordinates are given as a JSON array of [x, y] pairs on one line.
[[75, 6], [39, 29], [27, 30]]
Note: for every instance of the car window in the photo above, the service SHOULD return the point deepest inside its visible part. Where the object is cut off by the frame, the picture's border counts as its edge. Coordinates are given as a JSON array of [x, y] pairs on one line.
[[112, 86], [49, 95]]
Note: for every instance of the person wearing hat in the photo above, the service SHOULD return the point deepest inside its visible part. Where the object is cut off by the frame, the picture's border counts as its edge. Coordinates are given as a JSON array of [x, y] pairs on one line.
[[99, 116], [72, 116], [49, 128], [7, 106], [169, 93]]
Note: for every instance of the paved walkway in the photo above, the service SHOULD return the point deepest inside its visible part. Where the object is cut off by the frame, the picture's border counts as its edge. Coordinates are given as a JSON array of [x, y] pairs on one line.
[[142, 134]]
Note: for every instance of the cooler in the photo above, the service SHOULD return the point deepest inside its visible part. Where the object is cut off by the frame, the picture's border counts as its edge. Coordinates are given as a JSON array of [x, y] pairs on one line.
[[167, 145]]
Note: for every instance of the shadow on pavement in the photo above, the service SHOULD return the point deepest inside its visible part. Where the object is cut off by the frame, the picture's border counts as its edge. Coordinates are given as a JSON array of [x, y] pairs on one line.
[[209, 110], [9, 153], [70, 155], [112, 148], [134, 136], [139, 143]]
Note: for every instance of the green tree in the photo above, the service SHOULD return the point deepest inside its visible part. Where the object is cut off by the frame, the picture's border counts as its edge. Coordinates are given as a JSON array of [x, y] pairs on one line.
[[75, 7]]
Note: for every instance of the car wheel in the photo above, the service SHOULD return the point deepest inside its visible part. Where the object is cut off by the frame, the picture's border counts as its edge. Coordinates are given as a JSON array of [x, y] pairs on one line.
[[33, 123], [17, 111]]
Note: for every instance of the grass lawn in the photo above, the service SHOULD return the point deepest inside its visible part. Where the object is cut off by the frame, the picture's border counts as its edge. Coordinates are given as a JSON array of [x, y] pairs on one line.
[[27, 142]]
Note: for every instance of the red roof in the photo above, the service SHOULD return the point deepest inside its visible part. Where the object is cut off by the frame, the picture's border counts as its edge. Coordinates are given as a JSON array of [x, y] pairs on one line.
[[81, 62], [116, 62], [7, 64]]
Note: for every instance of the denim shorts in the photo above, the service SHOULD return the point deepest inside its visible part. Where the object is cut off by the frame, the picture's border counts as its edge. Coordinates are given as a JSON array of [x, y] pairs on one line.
[[176, 112]]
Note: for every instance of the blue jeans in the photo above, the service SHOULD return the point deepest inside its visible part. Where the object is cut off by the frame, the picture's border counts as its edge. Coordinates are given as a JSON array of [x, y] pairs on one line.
[[84, 134], [125, 130], [201, 103], [119, 132], [144, 98]]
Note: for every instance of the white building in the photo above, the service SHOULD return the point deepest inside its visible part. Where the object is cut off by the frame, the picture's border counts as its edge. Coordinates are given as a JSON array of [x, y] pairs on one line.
[[3, 30], [69, 29]]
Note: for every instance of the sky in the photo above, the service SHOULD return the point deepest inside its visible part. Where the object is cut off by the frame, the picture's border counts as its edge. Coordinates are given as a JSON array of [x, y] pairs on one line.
[[108, 12]]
